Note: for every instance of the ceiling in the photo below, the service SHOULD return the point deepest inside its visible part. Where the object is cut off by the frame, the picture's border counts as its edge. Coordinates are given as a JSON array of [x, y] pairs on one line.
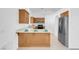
[[42, 12]]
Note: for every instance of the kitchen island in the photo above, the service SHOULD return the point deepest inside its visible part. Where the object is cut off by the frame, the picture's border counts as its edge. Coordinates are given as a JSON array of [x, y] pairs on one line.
[[33, 38]]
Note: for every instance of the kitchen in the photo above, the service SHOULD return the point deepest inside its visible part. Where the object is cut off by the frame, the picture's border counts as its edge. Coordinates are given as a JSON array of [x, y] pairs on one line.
[[38, 28], [36, 35]]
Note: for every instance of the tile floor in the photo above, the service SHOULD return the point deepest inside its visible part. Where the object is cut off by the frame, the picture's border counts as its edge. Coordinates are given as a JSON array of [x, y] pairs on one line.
[[55, 45]]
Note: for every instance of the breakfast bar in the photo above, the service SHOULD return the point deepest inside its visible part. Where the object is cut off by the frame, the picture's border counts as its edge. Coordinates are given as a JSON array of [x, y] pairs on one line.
[[33, 38]]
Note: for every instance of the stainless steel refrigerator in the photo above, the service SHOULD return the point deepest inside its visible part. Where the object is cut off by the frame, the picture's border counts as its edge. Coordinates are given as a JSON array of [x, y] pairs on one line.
[[63, 30]]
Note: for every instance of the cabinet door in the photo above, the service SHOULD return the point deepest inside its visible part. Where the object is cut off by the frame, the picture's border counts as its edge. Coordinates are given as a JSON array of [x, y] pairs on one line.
[[22, 40], [39, 20], [38, 40], [42, 40], [32, 19], [23, 16], [30, 38], [65, 13], [26, 39]]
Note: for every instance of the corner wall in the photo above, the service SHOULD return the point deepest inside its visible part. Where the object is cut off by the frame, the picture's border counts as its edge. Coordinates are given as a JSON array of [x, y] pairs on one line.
[[8, 21], [74, 28], [49, 23]]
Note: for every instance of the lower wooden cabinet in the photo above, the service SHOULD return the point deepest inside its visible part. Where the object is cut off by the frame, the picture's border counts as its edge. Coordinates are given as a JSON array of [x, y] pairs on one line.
[[34, 39]]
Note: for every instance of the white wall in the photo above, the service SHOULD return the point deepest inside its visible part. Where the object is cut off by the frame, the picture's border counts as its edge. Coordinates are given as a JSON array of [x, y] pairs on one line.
[[8, 21], [49, 22], [74, 28], [56, 25]]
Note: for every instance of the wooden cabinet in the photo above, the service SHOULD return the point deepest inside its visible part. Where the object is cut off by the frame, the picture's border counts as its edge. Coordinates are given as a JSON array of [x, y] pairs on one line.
[[41, 40], [23, 16], [32, 19], [65, 13], [37, 20], [34, 39], [22, 40]]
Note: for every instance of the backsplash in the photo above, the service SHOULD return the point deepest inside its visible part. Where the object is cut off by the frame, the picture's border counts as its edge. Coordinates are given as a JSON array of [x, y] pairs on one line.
[[35, 25], [39, 24], [22, 26]]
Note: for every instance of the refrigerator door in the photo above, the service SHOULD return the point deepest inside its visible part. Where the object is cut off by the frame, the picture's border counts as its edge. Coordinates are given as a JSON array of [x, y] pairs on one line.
[[63, 30]]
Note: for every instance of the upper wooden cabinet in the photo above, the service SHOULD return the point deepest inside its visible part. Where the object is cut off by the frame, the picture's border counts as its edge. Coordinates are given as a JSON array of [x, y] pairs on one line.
[[65, 13], [32, 19], [37, 20], [23, 16]]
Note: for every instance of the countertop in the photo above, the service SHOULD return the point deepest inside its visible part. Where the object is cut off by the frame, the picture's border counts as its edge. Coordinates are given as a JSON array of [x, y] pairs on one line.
[[23, 30]]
